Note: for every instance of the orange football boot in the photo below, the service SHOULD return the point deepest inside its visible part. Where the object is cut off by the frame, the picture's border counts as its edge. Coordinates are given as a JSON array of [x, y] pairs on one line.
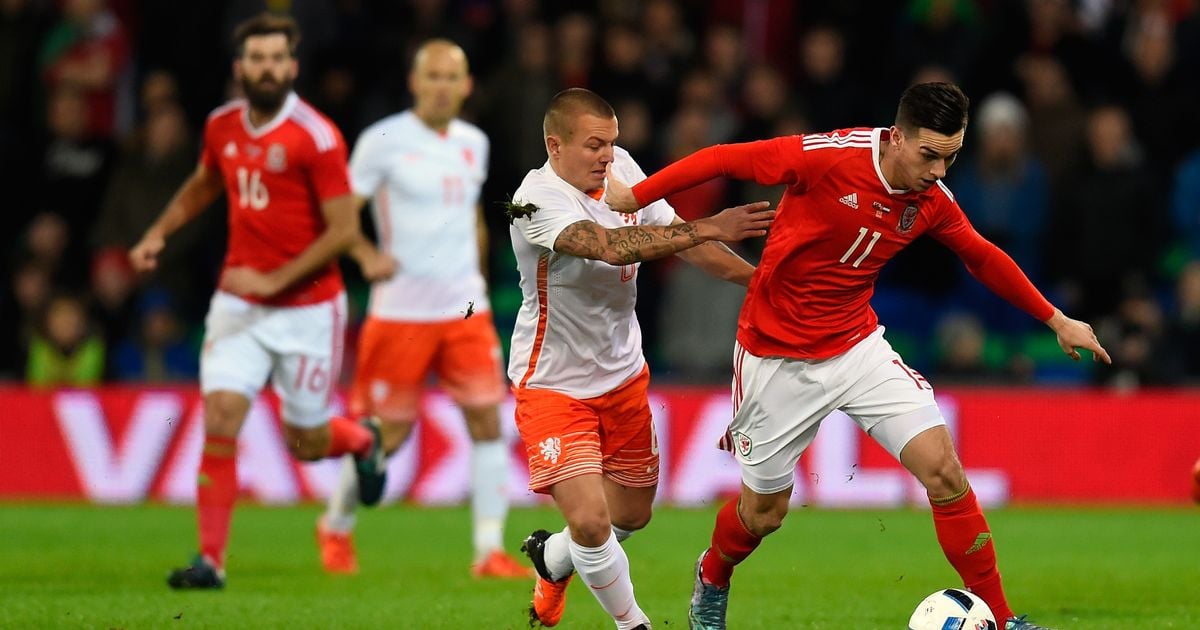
[[498, 564], [337, 550]]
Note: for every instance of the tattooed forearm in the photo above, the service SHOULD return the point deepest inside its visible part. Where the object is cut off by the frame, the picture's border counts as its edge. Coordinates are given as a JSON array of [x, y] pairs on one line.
[[627, 245]]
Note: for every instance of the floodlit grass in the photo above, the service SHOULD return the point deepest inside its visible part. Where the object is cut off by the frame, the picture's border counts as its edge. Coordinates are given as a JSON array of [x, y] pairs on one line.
[[104, 567]]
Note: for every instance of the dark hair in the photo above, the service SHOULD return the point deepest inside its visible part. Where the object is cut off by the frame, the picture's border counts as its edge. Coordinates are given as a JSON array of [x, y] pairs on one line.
[[568, 104], [267, 23], [940, 107]]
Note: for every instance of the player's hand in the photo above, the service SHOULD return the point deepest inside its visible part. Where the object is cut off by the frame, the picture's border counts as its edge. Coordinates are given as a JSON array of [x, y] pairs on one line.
[[144, 256], [741, 222], [378, 266], [618, 195], [1074, 334], [245, 281]]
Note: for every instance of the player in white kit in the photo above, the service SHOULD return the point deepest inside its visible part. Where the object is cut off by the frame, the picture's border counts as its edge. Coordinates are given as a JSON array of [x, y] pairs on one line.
[[429, 308], [577, 368]]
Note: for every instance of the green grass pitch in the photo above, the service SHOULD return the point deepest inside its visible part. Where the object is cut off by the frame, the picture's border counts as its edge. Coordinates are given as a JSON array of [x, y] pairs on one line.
[[75, 566]]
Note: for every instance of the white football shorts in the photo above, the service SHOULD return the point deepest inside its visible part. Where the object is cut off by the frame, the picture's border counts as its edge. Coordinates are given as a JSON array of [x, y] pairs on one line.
[[779, 404], [299, 347]]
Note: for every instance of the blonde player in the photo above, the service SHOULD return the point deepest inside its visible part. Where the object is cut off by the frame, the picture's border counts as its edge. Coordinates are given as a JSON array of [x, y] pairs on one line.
[[577, 367], [429, 307]]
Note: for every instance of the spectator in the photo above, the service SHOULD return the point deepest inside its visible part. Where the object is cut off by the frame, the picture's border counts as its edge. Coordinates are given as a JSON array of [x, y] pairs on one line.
[[29, 289], [1183, 326], [113, 285], [962, 345], [158, 352], [1004, 188], [1108, 224], [65, 351], [88, 51], [75, 168], [143, 182], [1185, 205], [832, 97]]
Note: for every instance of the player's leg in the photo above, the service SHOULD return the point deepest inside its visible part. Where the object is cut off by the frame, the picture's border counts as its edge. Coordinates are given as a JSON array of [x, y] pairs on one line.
[[597, 556], [562, 443], [468, 367], [896, 406], [393, 359], [962, 530], [233, 368], [778, 407], [308, 342]]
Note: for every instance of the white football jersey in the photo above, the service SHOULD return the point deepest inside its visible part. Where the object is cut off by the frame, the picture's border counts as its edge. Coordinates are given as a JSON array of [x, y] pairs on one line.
[[425, 186], [576, 332]]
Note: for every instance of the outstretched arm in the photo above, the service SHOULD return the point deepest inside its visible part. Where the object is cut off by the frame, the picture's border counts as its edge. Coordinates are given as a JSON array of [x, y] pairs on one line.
[[717, 260], [767, 162], [998, 272], [197, 193], [627, 245]]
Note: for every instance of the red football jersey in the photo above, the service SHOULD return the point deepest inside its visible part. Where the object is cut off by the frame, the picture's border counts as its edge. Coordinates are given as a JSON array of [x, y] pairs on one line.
[[276, 177], [839, 221]]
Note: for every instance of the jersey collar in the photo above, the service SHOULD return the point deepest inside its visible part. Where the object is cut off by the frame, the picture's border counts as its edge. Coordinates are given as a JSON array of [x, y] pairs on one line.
[[876, 141], [289, 104]]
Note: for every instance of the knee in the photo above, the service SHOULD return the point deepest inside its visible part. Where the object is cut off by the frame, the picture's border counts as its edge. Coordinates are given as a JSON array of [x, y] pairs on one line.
[[764, 519], [943, 477], [633, 521], [222, 418], [307, 444], [483, 423], [591, 529], [395, 434]]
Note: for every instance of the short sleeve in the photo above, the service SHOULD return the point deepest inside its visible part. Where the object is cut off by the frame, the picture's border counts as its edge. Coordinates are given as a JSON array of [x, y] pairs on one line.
[[330, 175], [367, 162], [556, 210]]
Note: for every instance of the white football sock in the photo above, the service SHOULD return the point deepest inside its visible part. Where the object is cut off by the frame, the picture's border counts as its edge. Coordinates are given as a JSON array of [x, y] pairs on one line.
[[489, 495], [343, 498], [605, 571], [557, 554]]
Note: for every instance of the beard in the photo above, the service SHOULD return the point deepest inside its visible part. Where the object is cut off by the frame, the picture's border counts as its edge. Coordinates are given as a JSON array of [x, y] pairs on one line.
[[266, 96]]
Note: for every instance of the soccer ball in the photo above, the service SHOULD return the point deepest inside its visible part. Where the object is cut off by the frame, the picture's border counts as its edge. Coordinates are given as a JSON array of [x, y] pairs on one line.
[[952, 609]]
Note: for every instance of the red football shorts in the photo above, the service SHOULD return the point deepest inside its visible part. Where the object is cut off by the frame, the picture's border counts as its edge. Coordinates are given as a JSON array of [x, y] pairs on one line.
[[395, 359], [612, 434]]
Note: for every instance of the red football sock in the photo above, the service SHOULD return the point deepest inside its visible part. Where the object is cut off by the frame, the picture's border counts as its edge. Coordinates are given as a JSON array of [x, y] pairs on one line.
[[731, 543], [967, 542], [216, 490], [348, 436]]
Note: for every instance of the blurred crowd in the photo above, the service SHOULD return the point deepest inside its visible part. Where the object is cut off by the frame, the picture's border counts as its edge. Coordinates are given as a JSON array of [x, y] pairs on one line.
[[1082, 159]]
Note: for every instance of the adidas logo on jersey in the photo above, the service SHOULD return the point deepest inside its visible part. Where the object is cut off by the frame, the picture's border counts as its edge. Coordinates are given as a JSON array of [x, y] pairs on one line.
[[850, 200]]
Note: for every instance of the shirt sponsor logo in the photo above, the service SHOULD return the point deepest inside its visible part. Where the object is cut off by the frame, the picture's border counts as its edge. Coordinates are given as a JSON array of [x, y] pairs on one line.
[[231, 149], [850, 200]]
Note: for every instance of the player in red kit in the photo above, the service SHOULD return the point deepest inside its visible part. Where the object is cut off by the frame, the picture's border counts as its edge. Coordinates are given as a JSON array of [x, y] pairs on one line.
[[280, 308], [808, 341]]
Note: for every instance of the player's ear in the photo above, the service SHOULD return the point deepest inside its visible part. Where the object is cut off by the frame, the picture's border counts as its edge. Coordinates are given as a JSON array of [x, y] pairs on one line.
[[896, 136], [295, 67], [469, 87], [553, 145]]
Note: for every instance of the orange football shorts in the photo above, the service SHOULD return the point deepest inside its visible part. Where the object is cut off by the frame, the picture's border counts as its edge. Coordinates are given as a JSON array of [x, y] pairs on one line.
[[395, 359], [612, 434]]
